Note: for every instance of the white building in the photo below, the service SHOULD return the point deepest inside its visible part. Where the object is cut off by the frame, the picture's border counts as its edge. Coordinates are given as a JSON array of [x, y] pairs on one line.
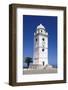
[[40, 56]]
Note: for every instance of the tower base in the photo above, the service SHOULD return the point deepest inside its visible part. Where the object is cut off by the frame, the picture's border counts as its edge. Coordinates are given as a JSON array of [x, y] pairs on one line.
[[36, 66]]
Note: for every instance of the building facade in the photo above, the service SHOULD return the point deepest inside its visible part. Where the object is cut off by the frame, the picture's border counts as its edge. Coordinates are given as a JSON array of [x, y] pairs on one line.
[[40, 55]]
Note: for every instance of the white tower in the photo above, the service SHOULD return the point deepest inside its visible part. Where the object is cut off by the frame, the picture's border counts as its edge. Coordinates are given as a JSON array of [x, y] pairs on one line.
[[40, 56]]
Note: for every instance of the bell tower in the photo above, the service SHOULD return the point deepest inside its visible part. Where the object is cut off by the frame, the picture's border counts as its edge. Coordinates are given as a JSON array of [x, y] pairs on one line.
[[40, 55]]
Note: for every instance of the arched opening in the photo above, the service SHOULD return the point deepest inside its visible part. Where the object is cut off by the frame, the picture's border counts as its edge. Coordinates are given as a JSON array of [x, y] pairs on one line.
[[43, 63], [36, 39], [43, 50], [43, 39]]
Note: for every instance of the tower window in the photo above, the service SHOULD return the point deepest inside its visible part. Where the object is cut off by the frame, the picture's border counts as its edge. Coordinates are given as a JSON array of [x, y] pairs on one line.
[[36, 39], [43, 39], [43, 50]]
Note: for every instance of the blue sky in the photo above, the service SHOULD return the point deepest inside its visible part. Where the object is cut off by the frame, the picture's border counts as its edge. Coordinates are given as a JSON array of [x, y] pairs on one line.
[[29, 26]]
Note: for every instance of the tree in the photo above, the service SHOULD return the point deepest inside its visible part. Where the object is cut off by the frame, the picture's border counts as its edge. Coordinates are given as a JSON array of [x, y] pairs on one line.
[[28, 60]]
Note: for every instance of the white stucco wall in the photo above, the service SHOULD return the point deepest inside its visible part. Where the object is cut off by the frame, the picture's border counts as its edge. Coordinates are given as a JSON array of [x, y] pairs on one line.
[[39, 55]]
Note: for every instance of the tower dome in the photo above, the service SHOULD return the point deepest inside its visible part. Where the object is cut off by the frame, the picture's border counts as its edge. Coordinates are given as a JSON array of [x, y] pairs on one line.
[[40, 26], [40, 29]]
